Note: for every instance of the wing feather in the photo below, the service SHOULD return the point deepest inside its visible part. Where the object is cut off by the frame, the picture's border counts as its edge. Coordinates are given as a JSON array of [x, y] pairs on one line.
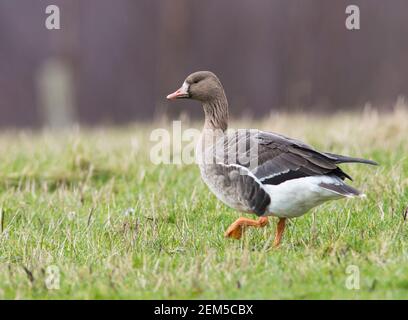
[[278, 158]]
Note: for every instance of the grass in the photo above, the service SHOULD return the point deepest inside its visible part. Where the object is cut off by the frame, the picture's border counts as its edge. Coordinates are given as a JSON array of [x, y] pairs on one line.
[[91, 204]]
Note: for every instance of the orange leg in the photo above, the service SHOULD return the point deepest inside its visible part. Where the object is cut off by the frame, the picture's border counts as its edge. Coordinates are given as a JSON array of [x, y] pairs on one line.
[[236, 229], [279, 232]]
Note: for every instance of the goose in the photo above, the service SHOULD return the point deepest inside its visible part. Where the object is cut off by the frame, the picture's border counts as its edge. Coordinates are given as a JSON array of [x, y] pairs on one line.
[[258, 172]]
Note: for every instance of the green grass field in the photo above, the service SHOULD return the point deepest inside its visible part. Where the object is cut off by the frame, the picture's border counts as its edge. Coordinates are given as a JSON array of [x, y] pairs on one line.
[[90, 206]]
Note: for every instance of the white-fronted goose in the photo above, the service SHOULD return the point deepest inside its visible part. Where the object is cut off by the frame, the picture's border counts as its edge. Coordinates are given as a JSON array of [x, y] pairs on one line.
[[260, 172]]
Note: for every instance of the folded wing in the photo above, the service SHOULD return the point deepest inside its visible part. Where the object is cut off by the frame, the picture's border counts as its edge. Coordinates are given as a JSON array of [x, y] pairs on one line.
[[273, 158]]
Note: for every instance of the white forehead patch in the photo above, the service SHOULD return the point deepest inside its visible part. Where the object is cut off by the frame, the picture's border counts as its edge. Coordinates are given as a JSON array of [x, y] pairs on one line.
[[185, 86]]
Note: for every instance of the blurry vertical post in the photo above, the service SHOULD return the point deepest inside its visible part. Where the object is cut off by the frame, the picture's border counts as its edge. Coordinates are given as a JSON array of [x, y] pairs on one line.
[[55, 76], [55, 84]]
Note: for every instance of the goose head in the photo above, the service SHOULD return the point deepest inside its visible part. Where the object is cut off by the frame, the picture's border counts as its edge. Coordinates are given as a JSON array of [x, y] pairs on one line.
[[203, 86]]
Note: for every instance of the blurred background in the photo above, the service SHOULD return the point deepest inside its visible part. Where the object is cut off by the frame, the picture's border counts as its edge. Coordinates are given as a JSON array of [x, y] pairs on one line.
[[114, 61]]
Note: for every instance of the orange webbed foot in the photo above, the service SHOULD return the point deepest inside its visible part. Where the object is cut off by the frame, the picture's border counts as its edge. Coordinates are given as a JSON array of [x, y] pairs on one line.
[[236, 229]]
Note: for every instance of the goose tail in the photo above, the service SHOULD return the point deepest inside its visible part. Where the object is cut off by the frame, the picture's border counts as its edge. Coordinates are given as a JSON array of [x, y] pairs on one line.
[[345, 159]]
